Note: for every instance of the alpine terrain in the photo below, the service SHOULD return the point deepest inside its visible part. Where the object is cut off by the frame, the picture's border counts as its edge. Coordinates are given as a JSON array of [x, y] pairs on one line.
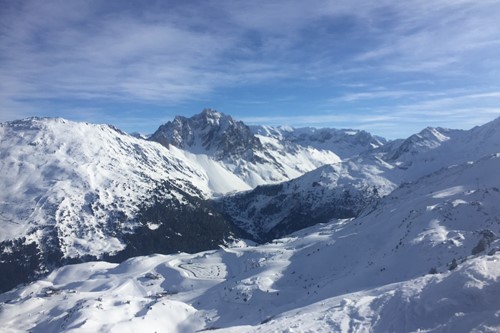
[[213, 225]]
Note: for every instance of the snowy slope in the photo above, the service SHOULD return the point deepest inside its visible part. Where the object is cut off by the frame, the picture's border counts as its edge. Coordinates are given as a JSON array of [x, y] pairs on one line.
[[463, 300], [426, 152], [428, 139], [426, 251], [77, 176], [76, 190], [343, 189], [84, 178], [255, 159], [435, 148], [173, 294], [422, 259], [339, 190]]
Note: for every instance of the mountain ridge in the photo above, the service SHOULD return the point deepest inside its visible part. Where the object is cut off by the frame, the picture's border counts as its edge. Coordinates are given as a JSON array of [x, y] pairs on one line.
[[80, 192], [256, 160], [77, 191], [416, 255], [344, 142]]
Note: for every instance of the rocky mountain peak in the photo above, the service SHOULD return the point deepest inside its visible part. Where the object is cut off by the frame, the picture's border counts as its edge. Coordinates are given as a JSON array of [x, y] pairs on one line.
[[213, 116], [209, 132]]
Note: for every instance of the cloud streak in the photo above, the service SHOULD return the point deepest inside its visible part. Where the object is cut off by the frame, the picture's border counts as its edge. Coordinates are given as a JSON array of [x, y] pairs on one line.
[[94, 54]]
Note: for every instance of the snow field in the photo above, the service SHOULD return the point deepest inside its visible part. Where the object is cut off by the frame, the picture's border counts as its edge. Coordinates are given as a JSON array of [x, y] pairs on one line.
[[423, 259], [155, 293]]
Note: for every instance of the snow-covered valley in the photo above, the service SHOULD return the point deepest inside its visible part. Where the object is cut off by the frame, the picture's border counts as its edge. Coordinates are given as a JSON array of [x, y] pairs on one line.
[[407, 238]]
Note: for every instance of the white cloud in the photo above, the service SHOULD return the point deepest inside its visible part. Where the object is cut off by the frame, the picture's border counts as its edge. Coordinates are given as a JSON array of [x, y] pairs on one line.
[[442, 35], [452, 109], [167, 53], [380, 94]]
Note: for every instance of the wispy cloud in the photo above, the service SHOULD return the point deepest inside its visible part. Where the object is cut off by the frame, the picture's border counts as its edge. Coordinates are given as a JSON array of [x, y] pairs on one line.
[[395, 55], [387, 124], [370, 95], [450, 109]]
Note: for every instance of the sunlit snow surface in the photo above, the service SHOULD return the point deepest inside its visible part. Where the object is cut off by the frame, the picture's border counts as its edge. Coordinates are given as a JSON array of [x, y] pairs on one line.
[[83, 180], [425, 258], [369, 274], [273, 288]]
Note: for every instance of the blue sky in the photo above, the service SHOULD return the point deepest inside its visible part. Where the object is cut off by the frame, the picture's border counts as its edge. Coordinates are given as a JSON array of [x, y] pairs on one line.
[[389, 67]]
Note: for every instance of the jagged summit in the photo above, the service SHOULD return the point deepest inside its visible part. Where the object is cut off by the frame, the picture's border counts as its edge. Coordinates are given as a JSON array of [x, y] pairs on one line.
[[212, 115], [209, 132]]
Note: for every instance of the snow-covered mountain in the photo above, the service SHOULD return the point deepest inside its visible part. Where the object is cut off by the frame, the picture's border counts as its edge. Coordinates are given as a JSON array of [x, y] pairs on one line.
[[344, 189], [77, 190], [435, 148], [339, 190], [255, 159], [211, 133], [424, 259], [409, 240], [346, 143], [428, 139], [63, 165]]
